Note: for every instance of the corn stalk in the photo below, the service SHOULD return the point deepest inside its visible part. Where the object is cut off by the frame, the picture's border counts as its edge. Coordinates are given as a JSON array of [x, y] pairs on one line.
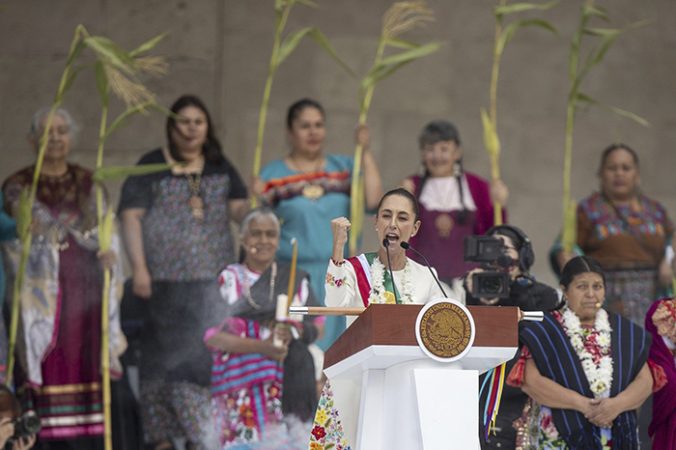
[[27, 199], [503, 34], [281, 49], [577, 71], [116, 70], [398, 19]]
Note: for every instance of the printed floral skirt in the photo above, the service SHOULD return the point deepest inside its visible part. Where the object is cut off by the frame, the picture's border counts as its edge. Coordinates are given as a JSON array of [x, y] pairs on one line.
[[327, 431], [243, 415]]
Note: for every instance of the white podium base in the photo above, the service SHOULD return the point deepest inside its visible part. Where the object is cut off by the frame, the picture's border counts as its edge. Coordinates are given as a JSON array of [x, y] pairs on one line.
[[412, 405]]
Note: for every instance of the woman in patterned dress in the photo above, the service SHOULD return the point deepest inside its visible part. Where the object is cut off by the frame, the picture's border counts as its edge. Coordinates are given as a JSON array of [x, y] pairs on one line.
[[177, 235], [627, 232], [59, 342]]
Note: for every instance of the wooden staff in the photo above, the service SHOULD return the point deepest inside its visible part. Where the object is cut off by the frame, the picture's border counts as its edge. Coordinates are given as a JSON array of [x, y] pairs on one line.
[[326, 311]]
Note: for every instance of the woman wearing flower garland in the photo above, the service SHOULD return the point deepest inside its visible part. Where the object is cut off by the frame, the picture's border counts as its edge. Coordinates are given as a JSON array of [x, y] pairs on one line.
[[365, 279], [585, 370]]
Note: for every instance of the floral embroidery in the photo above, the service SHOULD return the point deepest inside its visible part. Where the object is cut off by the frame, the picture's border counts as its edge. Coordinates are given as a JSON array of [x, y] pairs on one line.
[[327, 430], [331, 280]]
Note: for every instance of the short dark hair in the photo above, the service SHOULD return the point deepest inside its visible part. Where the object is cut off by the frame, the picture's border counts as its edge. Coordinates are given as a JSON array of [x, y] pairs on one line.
[[297, 107], [211, 149], [579, 265], [612, 148], [402, 193], [438, 131]]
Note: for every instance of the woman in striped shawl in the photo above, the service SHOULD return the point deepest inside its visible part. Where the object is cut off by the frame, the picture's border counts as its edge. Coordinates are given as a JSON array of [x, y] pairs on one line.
[[585, 370], [262, 370]]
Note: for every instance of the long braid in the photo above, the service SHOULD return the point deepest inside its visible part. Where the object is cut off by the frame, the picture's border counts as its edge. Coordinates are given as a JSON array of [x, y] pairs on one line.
[[458, 174]]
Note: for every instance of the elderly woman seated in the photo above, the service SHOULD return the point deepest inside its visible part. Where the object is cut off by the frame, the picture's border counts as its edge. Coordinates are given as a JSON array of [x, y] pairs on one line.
[[585, 370], [262, 369]]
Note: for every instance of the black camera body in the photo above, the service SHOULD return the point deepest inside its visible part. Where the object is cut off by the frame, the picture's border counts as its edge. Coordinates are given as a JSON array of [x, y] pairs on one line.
[[483, 249], [490, 252], [490, 284], [25, 425]]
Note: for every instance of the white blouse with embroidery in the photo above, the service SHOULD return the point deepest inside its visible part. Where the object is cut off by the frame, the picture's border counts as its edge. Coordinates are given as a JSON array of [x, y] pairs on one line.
[[342, 290]]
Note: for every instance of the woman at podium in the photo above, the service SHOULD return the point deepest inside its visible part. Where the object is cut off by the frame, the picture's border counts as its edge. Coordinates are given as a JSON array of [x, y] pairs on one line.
[[365, 279], [585, 370]]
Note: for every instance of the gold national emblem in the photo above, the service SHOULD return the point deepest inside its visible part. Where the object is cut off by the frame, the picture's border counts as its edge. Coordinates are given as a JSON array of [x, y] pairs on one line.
[[445, 330]]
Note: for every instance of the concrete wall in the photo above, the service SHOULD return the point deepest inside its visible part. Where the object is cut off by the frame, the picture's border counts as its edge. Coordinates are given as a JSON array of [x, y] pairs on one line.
[[219, 50]]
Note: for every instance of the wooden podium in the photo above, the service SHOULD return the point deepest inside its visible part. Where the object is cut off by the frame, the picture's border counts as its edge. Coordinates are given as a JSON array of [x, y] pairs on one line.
[[391, 395]]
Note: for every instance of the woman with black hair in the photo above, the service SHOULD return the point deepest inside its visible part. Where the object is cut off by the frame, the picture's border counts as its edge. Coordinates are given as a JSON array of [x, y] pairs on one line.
[[177, 235], [627, 232], [584, 368], [453, 203], [309, 187]]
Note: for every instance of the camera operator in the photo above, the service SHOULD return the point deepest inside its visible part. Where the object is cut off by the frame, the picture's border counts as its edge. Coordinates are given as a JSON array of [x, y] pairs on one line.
[[17, 431], [514, 263], [507, 274]]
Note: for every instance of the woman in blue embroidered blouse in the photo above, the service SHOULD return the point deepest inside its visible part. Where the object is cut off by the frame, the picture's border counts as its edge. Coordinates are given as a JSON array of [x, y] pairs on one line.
[[308, 188]]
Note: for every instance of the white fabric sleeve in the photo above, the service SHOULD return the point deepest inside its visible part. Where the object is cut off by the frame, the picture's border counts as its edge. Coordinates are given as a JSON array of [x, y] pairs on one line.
[[341, 285]]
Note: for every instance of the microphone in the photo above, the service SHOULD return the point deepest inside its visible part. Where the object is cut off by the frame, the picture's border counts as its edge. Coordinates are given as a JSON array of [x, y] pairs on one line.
[[386, 244], [253, 250], [406, 246]]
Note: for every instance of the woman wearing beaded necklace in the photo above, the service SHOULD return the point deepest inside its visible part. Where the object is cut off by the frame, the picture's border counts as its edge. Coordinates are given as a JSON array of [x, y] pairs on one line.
[[177, 234], [280, 371], [585, 370]]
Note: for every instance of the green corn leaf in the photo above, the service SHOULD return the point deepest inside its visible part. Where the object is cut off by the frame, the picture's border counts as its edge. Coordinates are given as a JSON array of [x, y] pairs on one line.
[[584, 98], [147, 45], [513, 27], [102, 83], [501, 11], [595, 11], [109, 52], [605, 32], [75, 53], [324, 43], [291, 42], [629, 115], [410, 55], [491, 140], [72, 75], [120, 172], [400, 43], [387, 66], [119, 120], [378, 73], [106, 231]]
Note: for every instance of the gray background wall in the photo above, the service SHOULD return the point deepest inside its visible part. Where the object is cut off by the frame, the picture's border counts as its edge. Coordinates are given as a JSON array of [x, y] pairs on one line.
[[219, 49]]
